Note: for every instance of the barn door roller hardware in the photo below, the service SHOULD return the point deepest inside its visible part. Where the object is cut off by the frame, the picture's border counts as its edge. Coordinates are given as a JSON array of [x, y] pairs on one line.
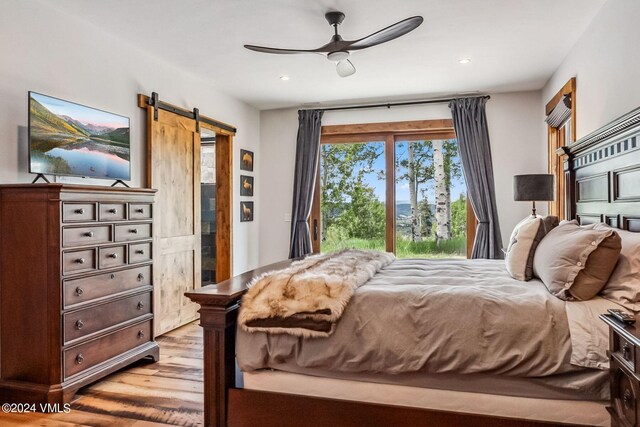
[[194, 114]]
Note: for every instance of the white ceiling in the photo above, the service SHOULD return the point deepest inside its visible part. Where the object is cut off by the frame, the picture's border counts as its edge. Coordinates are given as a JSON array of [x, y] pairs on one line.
[[514, 44]]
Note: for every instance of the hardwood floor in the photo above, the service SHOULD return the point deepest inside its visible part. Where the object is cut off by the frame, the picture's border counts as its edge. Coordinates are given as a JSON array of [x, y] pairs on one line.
[[169, 392]]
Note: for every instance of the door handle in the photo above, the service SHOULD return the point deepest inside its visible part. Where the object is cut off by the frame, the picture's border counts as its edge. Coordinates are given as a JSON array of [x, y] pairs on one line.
[[315, 229]]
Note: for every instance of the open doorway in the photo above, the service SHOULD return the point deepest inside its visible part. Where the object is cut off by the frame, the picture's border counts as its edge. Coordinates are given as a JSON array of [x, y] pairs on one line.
[[208, 205]]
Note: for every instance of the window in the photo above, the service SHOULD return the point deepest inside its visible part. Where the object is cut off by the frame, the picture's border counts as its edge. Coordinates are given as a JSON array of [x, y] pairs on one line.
[[561, 121], [392, 186]]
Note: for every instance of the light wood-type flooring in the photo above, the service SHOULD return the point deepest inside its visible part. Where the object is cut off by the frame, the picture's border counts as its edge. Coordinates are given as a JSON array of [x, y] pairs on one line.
[[169, 392]]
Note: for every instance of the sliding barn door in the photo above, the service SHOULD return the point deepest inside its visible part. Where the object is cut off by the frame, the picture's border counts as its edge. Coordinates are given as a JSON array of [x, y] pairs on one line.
[[174, 170]]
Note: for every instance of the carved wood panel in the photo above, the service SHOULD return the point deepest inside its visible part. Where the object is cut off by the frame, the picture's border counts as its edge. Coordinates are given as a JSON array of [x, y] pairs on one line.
[[604, 170]]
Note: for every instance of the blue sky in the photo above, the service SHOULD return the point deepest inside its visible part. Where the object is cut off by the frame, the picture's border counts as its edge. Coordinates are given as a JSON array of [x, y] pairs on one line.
[[81, 113], [402, 188]]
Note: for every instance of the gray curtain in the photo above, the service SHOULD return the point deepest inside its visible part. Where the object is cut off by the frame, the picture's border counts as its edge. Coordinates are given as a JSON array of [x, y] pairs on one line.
[[470, 123], [307, 152]]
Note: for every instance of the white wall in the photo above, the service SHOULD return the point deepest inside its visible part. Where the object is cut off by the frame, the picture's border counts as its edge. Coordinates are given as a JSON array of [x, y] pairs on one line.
[[48, 51], [514, 127], [606, 64]]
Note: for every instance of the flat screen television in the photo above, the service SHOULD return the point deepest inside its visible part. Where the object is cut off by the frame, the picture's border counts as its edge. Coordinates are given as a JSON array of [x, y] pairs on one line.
[[66, 138]]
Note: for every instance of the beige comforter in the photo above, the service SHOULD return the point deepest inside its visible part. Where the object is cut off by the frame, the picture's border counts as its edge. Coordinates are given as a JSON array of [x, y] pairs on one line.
[[435, 316]]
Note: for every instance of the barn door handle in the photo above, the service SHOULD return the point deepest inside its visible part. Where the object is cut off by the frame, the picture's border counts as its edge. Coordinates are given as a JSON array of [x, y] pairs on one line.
[[315, 229]]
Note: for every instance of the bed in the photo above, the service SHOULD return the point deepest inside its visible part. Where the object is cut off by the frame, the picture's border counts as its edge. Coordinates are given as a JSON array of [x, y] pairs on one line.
[[287, 378]]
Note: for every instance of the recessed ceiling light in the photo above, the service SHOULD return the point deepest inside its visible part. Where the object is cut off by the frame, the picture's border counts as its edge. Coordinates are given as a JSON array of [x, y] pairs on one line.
[[464, 60], [285, 78]]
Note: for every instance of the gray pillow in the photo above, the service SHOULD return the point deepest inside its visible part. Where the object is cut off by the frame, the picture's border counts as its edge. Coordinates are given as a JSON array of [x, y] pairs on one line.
[[575, 262], [623, 286], [524, 240]]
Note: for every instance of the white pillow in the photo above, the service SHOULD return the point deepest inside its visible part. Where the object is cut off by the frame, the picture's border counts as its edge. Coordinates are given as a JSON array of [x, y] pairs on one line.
[[524, 240]]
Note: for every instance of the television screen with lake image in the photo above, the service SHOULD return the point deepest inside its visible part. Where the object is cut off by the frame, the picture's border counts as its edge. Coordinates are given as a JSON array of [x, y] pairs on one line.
[[71, 139]]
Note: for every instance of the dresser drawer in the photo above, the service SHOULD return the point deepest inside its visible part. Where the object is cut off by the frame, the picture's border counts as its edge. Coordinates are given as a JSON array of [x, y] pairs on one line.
[[139, 211], [624, 350], [113, 256], [126, 232], [139, 252], [78, 212], [93, 319], [624, 393], [77, 291], [96, 351], [112, 211], [82, 236], [78, 261]]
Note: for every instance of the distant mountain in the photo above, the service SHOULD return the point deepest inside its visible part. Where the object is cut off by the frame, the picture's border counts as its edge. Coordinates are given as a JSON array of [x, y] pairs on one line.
[[404, 209], [43, 120], [118, 135], [88, 127]]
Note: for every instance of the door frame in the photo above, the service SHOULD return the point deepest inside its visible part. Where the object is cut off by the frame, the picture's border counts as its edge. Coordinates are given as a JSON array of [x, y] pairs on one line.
[[389, 133]]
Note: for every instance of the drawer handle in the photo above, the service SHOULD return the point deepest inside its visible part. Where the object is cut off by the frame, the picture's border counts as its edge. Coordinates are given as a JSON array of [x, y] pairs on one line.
[[140, 334], [79, 291], [140, 277], [113, 255], [626, 350], [139, 210], [113, 275], [627, 398], [140, 251], [79, 359], [140, 305], [79, 211], [113, 211], [89, 234], [79, 324], [133, 231], [80, 261]]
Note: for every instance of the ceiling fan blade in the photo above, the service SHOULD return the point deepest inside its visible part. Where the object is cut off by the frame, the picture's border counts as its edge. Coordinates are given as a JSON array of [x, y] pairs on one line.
[[264, 49], [345, 68], [386, 34]]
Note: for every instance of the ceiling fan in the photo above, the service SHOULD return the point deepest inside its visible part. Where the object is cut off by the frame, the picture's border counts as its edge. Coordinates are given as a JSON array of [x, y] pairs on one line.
[[338, 50]]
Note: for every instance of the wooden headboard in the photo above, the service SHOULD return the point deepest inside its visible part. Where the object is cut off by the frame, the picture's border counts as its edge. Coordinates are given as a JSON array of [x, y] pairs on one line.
[[602, 173]]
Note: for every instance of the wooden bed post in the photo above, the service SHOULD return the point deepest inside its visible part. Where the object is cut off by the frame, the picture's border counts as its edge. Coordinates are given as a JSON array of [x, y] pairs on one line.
[[219, 305], [219, 324]]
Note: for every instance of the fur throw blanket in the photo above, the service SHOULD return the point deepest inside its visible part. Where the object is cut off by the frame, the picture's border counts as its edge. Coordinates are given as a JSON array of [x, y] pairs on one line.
[[307, 298]]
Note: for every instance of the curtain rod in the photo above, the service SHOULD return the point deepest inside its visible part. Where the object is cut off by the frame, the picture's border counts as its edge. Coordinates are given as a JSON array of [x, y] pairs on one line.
[[393, 104]]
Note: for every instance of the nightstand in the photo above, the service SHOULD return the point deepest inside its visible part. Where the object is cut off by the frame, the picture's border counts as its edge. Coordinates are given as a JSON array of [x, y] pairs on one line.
[[624, 356]]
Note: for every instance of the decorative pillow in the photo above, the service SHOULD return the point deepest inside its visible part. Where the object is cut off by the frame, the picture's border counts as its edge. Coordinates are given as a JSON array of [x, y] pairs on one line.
[[575, 262], [623, 286], [523, 243]]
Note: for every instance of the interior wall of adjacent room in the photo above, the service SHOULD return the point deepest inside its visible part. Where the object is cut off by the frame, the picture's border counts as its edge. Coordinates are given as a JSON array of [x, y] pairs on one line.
[[605, 63], [48, 51], [514, 127]]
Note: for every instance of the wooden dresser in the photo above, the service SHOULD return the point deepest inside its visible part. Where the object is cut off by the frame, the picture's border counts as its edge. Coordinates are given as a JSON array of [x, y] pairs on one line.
[[76, 287], [624, 356]]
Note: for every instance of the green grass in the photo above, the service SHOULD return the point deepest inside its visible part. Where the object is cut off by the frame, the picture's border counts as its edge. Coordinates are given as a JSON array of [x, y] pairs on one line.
[[454, 248]]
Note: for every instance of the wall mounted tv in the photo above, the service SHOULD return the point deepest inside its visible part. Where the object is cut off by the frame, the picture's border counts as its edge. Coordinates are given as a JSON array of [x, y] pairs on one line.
[[66, 138]]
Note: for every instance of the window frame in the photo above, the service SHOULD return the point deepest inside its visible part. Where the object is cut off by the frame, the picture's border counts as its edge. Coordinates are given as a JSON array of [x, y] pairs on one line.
[[556, 139], [389, 133]]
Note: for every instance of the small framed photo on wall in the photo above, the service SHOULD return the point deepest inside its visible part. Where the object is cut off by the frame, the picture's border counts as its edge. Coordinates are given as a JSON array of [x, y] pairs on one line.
[[246, 211], [246, 185], [246, 160]]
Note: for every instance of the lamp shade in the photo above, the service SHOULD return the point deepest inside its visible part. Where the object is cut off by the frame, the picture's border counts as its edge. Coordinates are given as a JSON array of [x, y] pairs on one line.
[[533, 188]]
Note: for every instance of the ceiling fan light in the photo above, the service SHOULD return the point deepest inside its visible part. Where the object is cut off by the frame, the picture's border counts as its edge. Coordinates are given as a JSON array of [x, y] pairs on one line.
[[340, 55], [345, 68]]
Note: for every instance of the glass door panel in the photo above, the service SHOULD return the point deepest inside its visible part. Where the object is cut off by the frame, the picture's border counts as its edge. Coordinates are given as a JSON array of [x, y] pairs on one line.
[[430, 200], [352, 185]]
